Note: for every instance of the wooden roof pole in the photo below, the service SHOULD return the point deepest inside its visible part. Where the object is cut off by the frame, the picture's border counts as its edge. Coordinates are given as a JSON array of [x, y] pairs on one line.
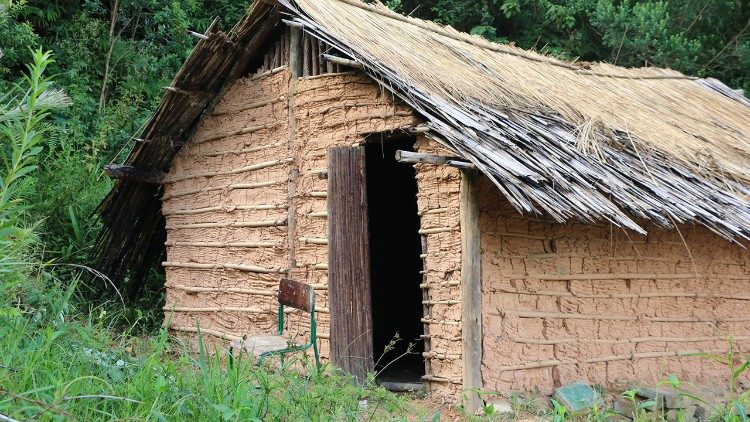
[[418, 157], [135, 174], [471, 291]]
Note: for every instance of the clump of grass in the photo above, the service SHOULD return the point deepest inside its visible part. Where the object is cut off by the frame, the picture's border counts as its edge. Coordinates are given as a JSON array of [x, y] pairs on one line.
[[65, 367]]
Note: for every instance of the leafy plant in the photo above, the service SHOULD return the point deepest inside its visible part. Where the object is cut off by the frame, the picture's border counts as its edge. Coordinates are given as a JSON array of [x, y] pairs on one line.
[[22, 131], [639, 407], [559, 412], [737, 364]]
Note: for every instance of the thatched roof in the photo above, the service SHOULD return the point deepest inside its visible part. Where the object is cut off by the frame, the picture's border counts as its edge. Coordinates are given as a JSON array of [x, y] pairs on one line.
[[576, 141]]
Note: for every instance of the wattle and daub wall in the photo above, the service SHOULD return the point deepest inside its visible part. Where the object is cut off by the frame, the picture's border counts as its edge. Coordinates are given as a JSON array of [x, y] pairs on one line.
[[246, 205], [590, 301], [246, 199]]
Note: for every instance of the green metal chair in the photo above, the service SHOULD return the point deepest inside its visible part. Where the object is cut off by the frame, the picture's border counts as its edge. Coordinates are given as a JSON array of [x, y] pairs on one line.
[[296, 295]]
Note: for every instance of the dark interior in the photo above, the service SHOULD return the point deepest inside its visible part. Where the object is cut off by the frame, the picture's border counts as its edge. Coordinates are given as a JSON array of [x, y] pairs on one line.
[[395, 262]]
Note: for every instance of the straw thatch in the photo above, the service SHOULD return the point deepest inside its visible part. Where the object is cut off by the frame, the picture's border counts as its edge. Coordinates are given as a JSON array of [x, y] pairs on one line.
[[592, 142]]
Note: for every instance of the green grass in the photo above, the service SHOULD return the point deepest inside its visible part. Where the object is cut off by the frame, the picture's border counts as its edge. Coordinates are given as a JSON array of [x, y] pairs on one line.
[[56, 364]]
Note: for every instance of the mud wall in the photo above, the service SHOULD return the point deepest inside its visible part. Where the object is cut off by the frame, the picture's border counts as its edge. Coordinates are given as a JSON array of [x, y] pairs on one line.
[[568, 302], [438, 202], [226, 212], [330, 110], [246, 201]]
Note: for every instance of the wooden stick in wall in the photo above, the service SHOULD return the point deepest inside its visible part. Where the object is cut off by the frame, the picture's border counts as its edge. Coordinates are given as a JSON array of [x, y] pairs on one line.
[[192, 289], [225, 244], [221, 266], [652, 355], [434, 378], [255, 224], [215, 333]]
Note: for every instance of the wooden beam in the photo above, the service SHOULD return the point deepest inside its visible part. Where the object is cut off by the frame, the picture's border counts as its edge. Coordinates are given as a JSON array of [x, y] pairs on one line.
[[471, 291], [342, 61], [418, 157], [135, 174], [295, 51]]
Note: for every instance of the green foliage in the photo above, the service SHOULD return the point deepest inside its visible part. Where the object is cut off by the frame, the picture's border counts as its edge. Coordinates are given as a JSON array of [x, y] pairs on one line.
[[559, 412], [113, 60], [23, 111], [15, 40], [59, 362]]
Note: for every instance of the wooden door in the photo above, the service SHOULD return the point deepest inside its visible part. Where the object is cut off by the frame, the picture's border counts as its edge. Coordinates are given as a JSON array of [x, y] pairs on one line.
[[349, 262]]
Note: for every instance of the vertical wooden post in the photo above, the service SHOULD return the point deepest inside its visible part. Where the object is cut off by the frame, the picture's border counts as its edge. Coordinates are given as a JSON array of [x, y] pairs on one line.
[[471, 291], [349, 298], [295, 51], [295, 67]]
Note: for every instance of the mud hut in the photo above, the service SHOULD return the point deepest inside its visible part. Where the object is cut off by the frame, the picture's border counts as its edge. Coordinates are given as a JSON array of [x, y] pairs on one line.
[[522, 220]]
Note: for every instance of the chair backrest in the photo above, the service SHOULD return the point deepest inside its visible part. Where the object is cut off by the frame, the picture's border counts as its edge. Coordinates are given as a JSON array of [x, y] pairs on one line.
[[297, 295]]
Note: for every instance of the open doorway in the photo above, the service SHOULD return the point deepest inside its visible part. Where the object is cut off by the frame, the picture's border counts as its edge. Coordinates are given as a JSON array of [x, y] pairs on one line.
[[395, 265]]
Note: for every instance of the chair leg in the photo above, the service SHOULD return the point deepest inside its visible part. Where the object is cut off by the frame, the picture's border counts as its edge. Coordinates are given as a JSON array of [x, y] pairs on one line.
[[315, 352]]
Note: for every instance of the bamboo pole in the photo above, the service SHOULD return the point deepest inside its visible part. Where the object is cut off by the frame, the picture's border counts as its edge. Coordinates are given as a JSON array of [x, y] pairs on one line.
[[267, 223], [439, 230], [440, 322], [434, 211], [244, 131], [192, 289], [250, 106], [217, 309], [342, 61], [532, 365], [628, 340], [441, 355], [226, 244], [252, 167], [243, 150], [325, 75], [226, 209], [433, 378], [441, 302], [561, 315], [555, 293], [215, 333], [314, 240], [235, 186], [268, 73], [222, 266], [652, 355], [617, 276]]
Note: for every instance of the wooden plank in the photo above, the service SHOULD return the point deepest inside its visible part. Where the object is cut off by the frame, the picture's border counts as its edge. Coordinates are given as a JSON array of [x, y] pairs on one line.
[[295, 294], [349, 262], [471, 291]]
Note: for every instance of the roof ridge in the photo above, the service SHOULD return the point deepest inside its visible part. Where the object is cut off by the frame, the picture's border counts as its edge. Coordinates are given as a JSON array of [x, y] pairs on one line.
[[500, 48]]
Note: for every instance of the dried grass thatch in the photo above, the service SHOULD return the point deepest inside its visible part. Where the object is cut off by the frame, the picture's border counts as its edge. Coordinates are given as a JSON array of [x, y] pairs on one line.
[[594, 142], [597, 143]]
